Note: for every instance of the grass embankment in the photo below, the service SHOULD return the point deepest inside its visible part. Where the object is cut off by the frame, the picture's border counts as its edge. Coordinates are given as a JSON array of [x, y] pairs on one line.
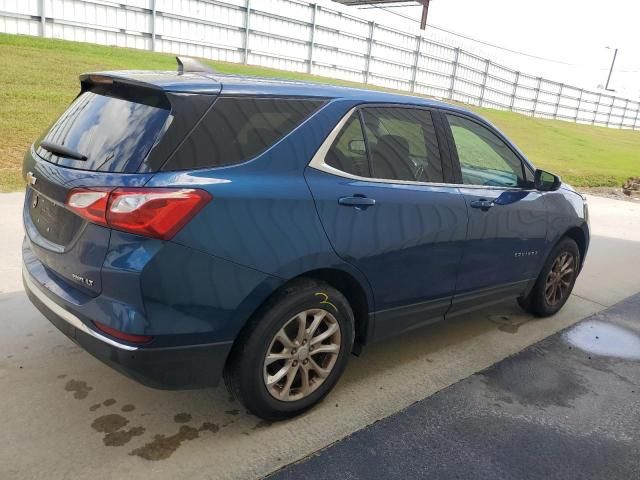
[[40, 77]]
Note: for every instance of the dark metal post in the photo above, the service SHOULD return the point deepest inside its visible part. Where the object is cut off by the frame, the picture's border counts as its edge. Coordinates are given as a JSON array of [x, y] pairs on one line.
[[425, 14], [613, 62]]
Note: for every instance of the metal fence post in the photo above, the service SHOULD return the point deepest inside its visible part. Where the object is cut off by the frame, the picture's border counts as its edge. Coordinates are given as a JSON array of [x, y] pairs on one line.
[[246, 32], [578, 107], [367, 69], [595, 113], [555, 111], [153, 25], [535, 99], [313, 36], [454, 73], [485, 76], [515, 89], [613, 100], [43, 19], [624, 113], [414, 74], [635, 122]]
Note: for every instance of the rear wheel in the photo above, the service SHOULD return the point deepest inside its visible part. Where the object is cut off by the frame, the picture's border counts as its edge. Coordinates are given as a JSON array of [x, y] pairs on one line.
[[293, 352], [556, 281]]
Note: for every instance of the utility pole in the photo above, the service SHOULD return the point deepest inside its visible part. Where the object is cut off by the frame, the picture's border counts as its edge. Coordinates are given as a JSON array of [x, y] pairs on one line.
[[613, 62]]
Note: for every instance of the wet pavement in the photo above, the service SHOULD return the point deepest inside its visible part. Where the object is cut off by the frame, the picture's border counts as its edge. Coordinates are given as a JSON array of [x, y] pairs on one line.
[[567, 407]]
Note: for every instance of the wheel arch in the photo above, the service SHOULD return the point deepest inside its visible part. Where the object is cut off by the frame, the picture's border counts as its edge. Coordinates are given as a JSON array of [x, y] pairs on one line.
[[577, 235], [357, 294]]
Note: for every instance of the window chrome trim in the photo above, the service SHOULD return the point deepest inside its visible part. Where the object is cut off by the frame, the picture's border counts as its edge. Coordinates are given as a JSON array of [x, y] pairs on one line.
[[318, 163]]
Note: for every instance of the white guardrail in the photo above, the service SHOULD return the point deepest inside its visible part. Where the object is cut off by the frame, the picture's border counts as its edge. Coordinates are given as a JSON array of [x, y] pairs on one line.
[[306, 37]]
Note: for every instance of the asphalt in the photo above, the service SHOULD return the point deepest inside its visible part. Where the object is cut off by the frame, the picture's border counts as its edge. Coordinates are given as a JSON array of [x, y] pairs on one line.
[[565, 408], [63, 414]]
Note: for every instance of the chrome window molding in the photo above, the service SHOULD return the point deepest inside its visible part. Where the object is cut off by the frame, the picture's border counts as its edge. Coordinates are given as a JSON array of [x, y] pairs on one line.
[[318, 163]]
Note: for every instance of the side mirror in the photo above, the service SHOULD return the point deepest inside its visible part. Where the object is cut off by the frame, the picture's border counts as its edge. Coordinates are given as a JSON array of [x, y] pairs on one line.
[[545, 181]]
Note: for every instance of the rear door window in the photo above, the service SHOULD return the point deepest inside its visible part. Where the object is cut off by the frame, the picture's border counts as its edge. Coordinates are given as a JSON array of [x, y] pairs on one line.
[[237, 129], [114, 131], [402, 144], [348, 152]]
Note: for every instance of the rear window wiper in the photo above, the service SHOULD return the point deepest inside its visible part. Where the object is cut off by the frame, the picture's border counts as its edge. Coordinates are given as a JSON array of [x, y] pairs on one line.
[[62, 151]]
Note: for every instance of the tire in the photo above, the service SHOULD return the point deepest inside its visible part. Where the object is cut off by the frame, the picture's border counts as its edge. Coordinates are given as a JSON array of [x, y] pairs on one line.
[[251, 379], [544, 300]]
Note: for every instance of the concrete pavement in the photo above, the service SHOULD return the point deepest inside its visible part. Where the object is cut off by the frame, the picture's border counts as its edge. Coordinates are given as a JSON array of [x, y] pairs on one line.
[[64, 414]]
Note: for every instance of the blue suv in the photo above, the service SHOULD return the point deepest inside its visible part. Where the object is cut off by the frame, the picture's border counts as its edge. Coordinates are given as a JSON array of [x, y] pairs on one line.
[[188, 226]]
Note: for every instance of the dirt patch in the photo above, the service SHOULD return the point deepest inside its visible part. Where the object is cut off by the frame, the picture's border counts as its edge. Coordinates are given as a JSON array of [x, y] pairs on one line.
[[122, 437], [79, 388], [109, 423], [261, 424], [508, 323], [182, 418], [162, 446], [108, 402], [128, 408], [615, 193]]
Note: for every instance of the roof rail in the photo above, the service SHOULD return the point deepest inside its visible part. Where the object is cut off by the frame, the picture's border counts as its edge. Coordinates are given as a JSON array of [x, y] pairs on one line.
[[188, 64]]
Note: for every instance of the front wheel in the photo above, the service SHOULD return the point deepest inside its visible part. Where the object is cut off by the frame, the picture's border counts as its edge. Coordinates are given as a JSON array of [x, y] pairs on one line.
[[293, 352], [555, 283]]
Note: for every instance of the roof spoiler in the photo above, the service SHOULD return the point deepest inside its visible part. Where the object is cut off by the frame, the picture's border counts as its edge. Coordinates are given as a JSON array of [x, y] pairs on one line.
[[188, 64]]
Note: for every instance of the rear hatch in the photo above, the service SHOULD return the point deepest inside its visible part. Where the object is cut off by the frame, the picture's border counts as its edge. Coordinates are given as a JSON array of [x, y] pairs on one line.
[[118, 131]]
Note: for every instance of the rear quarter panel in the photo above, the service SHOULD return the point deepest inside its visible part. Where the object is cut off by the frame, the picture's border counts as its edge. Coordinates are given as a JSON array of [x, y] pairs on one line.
[[262, 215]]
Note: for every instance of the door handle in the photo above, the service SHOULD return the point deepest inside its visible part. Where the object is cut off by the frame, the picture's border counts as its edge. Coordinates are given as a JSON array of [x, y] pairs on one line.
[[482, 204], [360, 202]]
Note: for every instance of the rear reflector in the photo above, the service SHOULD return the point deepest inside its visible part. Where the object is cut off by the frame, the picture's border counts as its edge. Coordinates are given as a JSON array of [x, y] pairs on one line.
[[127, 337], [151, 212]]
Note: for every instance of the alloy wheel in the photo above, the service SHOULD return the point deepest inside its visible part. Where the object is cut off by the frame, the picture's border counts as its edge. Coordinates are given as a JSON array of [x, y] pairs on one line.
[[560, 278], [302, 354]]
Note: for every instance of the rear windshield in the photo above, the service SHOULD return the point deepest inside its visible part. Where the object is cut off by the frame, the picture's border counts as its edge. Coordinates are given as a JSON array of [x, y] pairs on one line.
[[237, 129], [114, 131]]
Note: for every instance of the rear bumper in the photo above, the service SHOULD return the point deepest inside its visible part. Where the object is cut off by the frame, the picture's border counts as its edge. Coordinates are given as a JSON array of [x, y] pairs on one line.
[[181, 367]]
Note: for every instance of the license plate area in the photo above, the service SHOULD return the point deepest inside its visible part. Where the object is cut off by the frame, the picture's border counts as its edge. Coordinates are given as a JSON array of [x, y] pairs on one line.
[[52, 221]]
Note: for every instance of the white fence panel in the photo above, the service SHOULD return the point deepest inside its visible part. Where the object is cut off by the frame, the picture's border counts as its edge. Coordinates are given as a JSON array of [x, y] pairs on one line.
[[300, 36]]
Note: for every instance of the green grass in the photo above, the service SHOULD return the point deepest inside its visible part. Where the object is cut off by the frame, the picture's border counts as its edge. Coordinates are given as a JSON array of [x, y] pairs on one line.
[[39, 79]]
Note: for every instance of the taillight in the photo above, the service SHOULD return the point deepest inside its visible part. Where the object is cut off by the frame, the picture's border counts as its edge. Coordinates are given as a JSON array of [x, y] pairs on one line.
[[151, 212], [90, 204]]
